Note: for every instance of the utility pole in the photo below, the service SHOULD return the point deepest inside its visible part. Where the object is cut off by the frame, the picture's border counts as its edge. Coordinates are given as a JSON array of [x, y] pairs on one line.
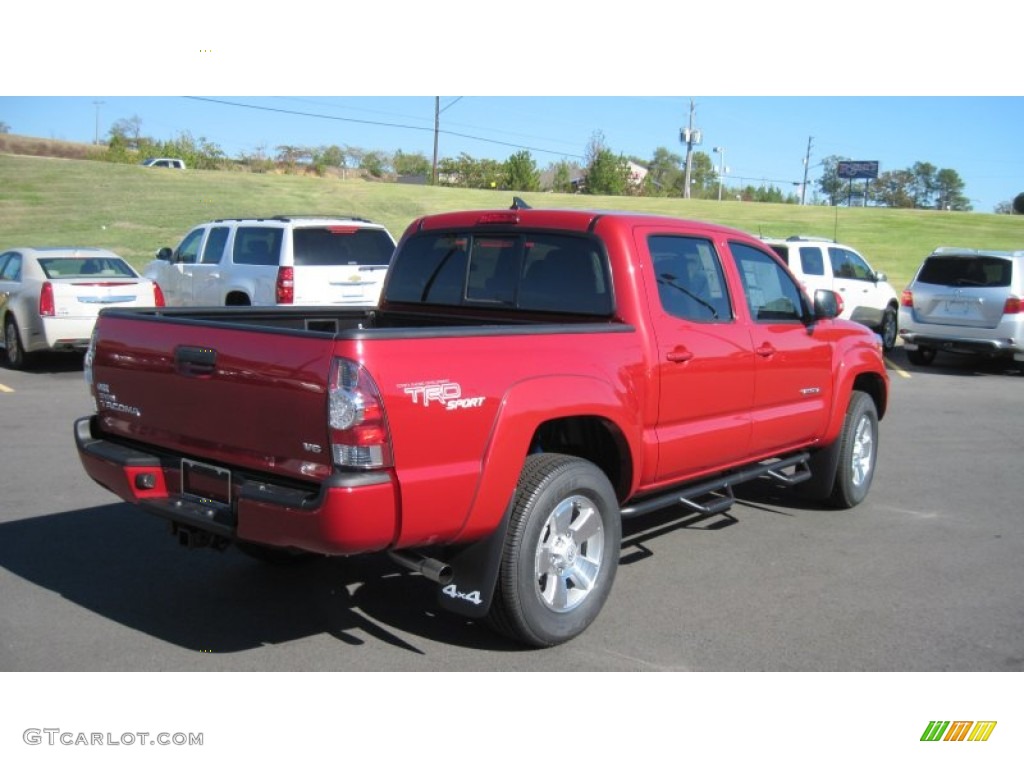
[[437, 126], [96, 139], [807, 164], [689, 136]]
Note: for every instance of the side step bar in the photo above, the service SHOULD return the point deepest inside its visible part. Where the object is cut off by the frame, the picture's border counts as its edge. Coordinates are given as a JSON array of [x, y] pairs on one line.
[[715, 497]]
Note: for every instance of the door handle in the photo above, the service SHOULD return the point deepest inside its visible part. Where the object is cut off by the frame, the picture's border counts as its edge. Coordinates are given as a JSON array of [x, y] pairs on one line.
[[765, 350], [679, 355]]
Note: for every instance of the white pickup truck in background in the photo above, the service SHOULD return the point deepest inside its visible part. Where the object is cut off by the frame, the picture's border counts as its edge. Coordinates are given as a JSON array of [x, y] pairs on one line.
[[305, 260]]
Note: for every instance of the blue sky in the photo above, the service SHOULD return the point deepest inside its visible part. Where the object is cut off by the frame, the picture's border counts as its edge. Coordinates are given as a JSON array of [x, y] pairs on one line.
[[765, 139], [872, 83]]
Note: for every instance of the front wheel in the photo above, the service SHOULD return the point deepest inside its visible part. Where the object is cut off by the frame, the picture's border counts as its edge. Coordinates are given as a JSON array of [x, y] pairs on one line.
[[889, 329], [858, 452], [561, 551]]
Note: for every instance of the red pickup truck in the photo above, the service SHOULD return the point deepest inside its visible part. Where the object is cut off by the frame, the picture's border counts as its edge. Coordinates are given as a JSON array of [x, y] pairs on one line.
[[529, 379]]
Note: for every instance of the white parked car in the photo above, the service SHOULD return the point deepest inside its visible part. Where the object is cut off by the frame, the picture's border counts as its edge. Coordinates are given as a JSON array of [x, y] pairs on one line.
[[50, 297], [868, 298], [164, 162], [307, 260]]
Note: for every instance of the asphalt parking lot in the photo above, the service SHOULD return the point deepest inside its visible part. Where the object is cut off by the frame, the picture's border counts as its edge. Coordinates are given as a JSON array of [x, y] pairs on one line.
[[924, 576]]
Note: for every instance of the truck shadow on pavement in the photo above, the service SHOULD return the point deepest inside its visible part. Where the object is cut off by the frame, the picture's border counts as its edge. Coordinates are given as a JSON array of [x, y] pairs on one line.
[[121, 564]]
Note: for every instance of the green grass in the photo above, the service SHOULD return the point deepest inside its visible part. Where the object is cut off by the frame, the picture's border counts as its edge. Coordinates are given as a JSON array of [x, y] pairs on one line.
[[133, 211]]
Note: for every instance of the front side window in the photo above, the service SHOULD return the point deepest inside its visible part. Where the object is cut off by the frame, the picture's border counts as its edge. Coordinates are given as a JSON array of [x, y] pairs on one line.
[[689, 276], [772, 296], [188, 251], [849, 265]]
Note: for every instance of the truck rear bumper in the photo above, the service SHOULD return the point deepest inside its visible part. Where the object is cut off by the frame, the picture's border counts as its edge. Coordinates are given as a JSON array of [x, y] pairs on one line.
[[348, 514]]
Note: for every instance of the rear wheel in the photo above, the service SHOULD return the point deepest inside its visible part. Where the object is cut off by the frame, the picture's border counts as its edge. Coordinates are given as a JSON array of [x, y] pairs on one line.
[[858, 452], [561, 551], [922, 356], [16, 356]]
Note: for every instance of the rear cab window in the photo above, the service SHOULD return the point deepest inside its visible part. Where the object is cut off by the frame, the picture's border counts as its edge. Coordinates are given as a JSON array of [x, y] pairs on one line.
[[538, 271]]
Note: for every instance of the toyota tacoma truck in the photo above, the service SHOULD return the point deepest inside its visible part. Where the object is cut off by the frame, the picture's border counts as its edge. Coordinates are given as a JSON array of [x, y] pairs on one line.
[[529, 379]]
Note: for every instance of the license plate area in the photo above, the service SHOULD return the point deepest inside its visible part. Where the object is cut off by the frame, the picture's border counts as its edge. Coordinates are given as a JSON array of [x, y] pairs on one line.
[[206, 484]]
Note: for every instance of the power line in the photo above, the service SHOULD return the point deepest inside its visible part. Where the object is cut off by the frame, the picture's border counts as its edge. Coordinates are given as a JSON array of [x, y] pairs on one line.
[[379, 123]]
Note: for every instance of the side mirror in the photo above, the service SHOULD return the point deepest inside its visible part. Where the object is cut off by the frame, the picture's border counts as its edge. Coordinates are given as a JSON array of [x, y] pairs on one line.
[[164, 254], [881, 277], [827, 304]]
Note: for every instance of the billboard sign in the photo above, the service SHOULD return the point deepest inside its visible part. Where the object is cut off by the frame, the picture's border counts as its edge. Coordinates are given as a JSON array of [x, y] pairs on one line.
[[858, 169]]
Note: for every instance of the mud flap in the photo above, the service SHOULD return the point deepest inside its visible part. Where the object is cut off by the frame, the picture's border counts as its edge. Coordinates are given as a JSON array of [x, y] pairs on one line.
[[475, 574]]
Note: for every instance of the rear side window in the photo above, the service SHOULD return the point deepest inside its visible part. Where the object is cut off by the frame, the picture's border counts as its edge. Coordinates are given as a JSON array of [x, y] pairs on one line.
[[259, 246], [980, 271], [689, 276], [812, 262], [341, 245], [541, 272]]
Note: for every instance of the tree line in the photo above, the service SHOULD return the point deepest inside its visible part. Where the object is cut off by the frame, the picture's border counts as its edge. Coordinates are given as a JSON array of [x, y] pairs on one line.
[[602, 172]]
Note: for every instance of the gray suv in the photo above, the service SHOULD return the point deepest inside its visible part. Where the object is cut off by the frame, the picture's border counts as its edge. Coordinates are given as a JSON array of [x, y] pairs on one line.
[[967, 301]]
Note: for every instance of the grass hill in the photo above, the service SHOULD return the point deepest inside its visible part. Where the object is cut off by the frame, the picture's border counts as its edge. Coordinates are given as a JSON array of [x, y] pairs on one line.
[[131, 210]]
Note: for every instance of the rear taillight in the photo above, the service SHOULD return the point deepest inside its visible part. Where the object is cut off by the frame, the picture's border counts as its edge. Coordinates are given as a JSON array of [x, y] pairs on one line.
[[355, 413], [907, 299], [1012, 306], [46, 306], [284, 292], [158, 296]]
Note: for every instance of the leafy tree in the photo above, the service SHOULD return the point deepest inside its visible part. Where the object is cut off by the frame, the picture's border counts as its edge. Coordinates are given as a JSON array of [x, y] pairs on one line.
[[703, 177], [411, 164], [925, 184], [829, 183], [894, 189], [664, 174], [520, 173], [949, 189], [562, 174], [607, 174], [128, 130], [375, 163], [1018, 203], [328, 157]]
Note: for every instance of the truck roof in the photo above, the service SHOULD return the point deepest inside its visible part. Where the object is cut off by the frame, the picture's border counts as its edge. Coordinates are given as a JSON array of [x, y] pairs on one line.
[[555, 218]]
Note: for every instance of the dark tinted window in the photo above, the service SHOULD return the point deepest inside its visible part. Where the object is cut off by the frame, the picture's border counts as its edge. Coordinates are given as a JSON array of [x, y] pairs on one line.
[[975, 271], [10, 266], [812, 262], [257, 245], [690, 280], [326, 246], [214, 249], [537, 271]]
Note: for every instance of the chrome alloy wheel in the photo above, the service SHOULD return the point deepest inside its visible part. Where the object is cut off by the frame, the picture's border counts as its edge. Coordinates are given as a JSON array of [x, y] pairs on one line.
[[862, 454], [570, 554]]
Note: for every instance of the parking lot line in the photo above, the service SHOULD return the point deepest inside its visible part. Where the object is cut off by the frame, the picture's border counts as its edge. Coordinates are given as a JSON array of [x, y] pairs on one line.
[[899, 371], [4, 389]]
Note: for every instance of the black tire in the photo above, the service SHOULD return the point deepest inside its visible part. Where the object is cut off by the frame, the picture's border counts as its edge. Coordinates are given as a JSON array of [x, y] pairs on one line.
[[889, 330], [16, 355], [923, 356], [272, 555], [858, 452], [561, 551]]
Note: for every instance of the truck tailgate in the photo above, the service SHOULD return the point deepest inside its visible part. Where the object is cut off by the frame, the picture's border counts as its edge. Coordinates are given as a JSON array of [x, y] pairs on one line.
[[255, 399]]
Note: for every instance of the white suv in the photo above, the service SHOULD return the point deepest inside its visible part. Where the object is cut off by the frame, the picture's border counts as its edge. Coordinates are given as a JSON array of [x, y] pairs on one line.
[[867, 296], [279, 260]]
